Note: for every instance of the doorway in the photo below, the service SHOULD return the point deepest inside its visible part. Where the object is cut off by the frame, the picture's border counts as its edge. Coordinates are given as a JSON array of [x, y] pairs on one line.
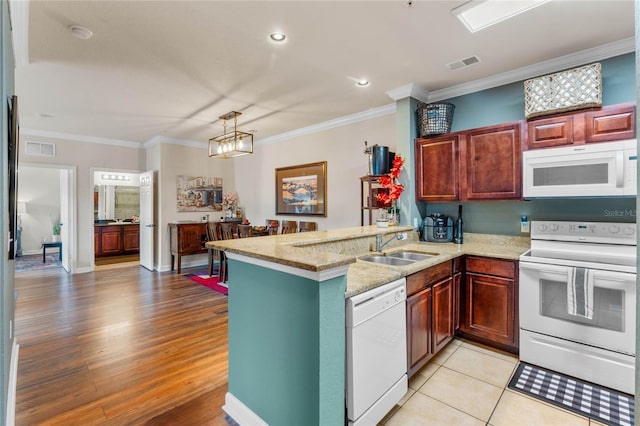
[[46, 203], [116, 212]]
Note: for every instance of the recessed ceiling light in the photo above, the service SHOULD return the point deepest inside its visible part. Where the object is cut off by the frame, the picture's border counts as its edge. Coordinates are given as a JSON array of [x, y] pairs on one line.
[[480, 14], [80, 32], [362, 83], [278, 37]]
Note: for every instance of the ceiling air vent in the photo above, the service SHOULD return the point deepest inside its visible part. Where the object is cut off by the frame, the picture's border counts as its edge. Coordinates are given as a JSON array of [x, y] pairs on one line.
[[463, 63], [41, 148]]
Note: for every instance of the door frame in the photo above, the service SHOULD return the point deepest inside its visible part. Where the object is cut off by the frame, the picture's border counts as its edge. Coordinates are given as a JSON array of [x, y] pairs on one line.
[[72, 246], [92, 172]]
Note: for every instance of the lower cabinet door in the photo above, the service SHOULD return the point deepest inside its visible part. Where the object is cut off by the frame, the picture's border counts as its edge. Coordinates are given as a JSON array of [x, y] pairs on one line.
[[489, 308], [442, 314], [418, 330]]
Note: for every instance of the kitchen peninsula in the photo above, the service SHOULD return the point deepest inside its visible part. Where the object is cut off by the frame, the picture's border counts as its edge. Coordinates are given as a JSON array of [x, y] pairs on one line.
[[287, 315]]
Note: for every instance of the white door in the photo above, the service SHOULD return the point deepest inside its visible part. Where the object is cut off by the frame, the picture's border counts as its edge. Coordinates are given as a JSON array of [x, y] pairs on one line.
[[65, 219], [147, 224]]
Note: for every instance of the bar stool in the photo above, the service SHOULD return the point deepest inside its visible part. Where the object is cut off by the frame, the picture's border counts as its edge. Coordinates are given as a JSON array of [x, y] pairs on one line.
[[289, 226], [308, 226]]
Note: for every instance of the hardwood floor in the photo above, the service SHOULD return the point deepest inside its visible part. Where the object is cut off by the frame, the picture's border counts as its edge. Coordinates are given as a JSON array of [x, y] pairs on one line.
[[120, 346]]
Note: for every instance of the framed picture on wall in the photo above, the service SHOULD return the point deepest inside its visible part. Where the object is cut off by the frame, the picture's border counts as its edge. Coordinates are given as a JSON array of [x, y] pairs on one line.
[[12, 170], [302, 190]]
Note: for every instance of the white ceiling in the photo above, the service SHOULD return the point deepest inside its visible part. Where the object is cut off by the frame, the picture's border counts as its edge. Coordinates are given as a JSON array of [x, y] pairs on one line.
[[170, 68]]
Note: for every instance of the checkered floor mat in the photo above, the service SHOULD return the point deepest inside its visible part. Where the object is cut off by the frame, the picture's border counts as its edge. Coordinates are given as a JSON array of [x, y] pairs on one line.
[[598, 403]]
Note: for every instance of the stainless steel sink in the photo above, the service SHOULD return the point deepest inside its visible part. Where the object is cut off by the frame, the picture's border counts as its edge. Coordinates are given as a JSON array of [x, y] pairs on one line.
[[387, 260], [409, 255]]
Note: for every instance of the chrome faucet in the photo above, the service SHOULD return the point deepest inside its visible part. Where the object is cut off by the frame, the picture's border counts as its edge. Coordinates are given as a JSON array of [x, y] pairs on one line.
[[380, 245]]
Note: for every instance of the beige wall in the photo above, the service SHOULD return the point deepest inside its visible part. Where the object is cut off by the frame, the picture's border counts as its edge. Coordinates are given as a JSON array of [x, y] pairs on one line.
[[343, 150], [85, 156], [252, 177], [178, 160]]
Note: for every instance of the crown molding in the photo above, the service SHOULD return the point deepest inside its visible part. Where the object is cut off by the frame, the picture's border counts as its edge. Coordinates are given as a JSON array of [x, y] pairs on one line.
[[78, 138], [19, 16], [409, 90], [598, 53], [331, 124], [158, 140]]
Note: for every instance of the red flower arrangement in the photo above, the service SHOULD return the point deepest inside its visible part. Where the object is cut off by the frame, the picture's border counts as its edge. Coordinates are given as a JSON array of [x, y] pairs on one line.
[[389, 182]]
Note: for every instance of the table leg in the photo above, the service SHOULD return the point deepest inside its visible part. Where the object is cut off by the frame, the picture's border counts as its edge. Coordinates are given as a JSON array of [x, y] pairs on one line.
[[179, 261], [44, 253], [60, 252]]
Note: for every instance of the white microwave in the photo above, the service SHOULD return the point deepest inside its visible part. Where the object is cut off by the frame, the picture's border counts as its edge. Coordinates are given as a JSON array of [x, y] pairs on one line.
[[593, 170]]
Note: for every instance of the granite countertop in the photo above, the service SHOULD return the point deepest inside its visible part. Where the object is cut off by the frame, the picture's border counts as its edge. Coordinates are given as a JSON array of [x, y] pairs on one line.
[[322, 250], [116, 223], [363, 275], [302, 249]]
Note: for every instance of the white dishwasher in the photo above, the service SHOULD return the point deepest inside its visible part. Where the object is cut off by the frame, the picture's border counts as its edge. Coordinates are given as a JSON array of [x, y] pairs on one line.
[[376, 367]]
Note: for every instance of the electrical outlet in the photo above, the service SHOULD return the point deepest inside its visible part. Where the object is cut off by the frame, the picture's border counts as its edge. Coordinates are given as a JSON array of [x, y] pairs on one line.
[[524, 225]]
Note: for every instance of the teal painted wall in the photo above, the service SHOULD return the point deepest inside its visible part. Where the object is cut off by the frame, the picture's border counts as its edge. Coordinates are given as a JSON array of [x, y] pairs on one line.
[[287, 345], [506, 103], [6, 267]]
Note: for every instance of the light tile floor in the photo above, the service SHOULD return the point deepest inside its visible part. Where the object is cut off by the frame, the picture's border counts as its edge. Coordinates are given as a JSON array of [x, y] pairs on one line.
[[466, 384]]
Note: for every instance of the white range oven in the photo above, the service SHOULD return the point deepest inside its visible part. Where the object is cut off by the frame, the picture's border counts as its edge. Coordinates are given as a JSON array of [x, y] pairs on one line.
[[578, 301]]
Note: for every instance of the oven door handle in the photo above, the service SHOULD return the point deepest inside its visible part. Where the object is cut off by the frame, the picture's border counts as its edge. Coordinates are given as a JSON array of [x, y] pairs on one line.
[[541, 267], [598, 274]]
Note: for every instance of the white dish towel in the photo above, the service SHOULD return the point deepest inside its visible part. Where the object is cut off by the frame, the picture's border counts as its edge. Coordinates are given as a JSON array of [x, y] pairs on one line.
[[580, 292]]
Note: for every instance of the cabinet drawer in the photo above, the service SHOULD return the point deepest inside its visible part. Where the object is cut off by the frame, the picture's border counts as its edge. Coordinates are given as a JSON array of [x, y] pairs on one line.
[[490, 266], [423, 279]]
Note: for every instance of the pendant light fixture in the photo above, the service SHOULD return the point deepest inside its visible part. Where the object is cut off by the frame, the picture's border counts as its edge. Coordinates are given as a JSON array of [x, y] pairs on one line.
[[233, 143]]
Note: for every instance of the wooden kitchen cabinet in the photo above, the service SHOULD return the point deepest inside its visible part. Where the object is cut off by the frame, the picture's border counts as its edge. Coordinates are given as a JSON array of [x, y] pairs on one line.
[[131, 239], [429, 314], [477, 164], [187, 239], [489, 302], [609, 123], [438, 168], [458, 273], [492, 163], [115, 240]]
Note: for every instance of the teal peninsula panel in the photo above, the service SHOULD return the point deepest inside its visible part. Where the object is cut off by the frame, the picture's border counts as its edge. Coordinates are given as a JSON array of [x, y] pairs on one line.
[[286, 344]]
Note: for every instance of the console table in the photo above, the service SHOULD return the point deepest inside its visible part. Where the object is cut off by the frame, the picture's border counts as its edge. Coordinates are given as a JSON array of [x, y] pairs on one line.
[[45, 246], [187, 238]]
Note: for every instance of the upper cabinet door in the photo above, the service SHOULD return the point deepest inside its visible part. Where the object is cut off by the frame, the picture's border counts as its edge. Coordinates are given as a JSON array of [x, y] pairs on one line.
[[437, 168], [616, 122], [493, 165], [554, 131]]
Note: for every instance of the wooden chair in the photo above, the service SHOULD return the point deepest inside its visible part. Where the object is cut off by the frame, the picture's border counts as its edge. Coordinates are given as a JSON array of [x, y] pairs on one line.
[[308, 226], [245, 231], [213, 233], [228, 231], [289, 226], [272, 225]]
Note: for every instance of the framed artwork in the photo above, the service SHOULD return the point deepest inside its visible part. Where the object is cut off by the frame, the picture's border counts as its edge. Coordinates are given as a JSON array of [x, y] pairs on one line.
[[12, 156], [302, 190], [198, 194]]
